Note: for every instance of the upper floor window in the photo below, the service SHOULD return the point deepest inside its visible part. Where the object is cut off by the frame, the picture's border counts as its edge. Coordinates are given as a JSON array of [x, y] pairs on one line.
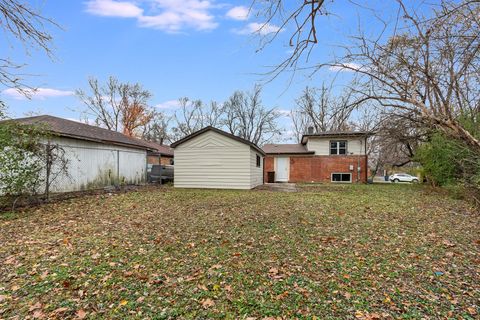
[[258, 161], [338, 147]]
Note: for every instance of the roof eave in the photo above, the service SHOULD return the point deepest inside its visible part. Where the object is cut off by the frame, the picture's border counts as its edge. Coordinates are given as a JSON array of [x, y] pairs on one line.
[[289, 153], [333, 135], [226, 134]]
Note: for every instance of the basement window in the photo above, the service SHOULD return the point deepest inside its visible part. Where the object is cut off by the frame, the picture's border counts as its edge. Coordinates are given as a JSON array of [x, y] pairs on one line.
[[338, 147], [342, 177], [258, 161]]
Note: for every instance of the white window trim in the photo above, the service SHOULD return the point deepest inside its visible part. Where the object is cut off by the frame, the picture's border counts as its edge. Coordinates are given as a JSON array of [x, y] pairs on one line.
[[338, 147], [331, 177]]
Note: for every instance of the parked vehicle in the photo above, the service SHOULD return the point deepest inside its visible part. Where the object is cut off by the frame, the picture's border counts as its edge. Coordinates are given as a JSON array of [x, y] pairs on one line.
[[160, 173], [403, 177]]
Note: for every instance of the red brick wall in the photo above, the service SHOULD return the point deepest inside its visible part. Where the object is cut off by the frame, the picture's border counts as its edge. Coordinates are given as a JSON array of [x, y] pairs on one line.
[[165, 161], [320, 168], [155, 160], [268, 166]]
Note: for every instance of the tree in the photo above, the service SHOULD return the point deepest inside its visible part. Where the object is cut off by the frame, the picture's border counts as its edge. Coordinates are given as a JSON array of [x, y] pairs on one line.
[[195, 115], [248, 118], [135, 112], [427, 68], [29, 27], [436, 64], [117, 106], [3, 111], [325, 111], [157, 129]]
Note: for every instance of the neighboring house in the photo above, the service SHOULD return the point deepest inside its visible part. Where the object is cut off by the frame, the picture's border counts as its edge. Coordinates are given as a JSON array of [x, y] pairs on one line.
[[161, 154], [335, 156], [96, 157], [212, 158]]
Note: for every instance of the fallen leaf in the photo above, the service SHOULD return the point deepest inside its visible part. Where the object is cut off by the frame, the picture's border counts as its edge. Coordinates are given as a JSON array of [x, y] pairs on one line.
[[123, 302], [282, 296], [448, 243], [38, 314], [202, 287], [472, 311], [60, 310], [36, 306], [81, 314], [207, 303]]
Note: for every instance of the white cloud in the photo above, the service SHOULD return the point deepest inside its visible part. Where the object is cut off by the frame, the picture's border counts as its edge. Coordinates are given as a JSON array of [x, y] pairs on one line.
[[345, 67], [39, 93], [238, 13], [170, 104], [167, 15], [284, 113], [111, 8], [258, 28]]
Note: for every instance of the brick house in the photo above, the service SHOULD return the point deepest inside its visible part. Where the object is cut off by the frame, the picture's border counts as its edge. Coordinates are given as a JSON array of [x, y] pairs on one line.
[[333, 156], [160, 154]]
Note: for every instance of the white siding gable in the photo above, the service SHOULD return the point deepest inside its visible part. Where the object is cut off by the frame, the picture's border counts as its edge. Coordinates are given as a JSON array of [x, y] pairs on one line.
[[321, 146]]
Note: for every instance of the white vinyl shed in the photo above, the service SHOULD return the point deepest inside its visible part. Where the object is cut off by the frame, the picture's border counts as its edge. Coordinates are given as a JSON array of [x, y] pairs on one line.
[[212, 158]]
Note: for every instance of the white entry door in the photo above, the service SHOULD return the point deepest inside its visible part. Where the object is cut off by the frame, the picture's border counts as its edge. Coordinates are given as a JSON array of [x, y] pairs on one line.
[[282, 169]]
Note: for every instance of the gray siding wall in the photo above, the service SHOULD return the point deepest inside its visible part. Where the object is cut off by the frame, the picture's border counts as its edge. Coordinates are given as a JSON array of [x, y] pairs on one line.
[[212, 160], [94, 165]]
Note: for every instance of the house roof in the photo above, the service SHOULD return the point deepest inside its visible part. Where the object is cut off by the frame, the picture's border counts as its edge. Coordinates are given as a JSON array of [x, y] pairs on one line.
[[160, 149], [226, 134], [286, 149], [336, 134], [82, 131]]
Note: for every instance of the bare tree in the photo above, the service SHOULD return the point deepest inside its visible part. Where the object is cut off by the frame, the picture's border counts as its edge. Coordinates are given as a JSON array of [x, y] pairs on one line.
[[300, 123], [20, 20], [435, 62], [301, 19], [157, 129], [195, 115], [248, 118], [427, 69], [322, 110], [117, 106]]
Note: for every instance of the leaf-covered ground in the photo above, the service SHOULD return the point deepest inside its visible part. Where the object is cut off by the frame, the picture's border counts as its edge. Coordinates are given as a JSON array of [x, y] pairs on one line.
[[327, 252]]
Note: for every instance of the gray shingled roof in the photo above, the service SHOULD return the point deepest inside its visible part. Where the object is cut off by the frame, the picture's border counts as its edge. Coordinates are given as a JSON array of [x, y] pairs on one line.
[[161, 149], [82, 131], [286, 149]]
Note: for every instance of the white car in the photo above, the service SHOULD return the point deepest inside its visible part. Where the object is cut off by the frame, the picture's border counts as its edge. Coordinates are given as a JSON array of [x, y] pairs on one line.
[[403, 177]]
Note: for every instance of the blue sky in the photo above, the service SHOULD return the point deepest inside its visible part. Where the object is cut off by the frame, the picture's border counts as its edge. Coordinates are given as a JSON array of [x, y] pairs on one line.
[[202, 49]]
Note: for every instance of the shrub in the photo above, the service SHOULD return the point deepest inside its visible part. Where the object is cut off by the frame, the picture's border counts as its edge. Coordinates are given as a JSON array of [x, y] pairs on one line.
[[20, 171], [451, 163]]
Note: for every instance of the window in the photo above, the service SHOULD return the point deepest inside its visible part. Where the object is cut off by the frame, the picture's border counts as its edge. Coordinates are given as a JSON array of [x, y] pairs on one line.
[[341, 177], [338, 147], [258, 161]]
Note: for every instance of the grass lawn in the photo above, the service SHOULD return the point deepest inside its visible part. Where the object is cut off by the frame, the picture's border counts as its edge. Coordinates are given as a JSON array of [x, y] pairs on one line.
[[327, 252]]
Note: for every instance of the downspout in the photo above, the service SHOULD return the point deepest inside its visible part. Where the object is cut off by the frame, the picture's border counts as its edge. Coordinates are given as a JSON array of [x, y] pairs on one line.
[[358, 161]]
